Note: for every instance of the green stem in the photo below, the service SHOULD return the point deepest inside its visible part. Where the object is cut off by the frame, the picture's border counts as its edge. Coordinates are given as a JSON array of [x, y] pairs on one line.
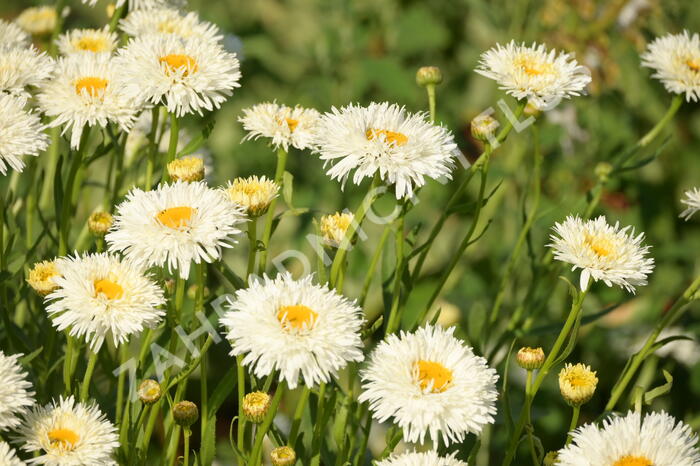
[[152, 148], [252, 251], [64, 217], [241, 393], [85, 387], [267, 233], [528, 406], [265, 426], [186, 432], [431, 101], [121, 381], [298, 412], [52, 162], [574, 423], [394, 319], [373, 264], [672, 109], [114, 20], [172, 144], [67, 361]]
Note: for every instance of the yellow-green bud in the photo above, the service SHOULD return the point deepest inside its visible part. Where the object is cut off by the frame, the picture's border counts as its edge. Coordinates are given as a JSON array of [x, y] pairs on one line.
[[484, 127], [530, 358], [187, 169], [149, 391], [577, 384], [428, 75], [283, 456], [603, 171], [550, 459], [255, 406], [185, 413], [99, 223]]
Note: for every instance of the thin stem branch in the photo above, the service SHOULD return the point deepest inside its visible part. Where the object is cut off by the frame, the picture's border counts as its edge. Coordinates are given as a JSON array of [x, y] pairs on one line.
[[267, 233], [85, 387]]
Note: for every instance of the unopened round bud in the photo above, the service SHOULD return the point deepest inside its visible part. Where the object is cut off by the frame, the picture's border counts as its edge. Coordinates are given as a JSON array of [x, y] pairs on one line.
[[99, 223], [550, 459], [149, 391], [185, 413], [187, 169], [283, 456], [484, 127], [577, 384], [255, 406], [428, 75], [333, 227], [41, 277], [254, 194], [530, 358], [603, 171]]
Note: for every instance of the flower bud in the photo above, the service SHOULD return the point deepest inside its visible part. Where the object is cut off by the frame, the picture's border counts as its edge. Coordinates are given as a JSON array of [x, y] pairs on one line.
[[99, 223], [484, 127], [577, 384], [41, 277], [333, 227], [550, 459], [428, 75], [149, 391], [255, 406], [603, 171], [283, 456], [253, 194], [185, 413], [530, 358], [187, 169]]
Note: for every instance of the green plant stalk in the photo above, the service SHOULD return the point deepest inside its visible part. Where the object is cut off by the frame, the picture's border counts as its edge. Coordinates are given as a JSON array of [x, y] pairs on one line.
[[241, 394], [85, 387], [172, 144], [430, 88], [298, 412], [186, 432], [252, 251], [63, 218], [118, 153], [528, 401], [31, 205], [269, 220], [152, 148], [265, 426], [318, 432], [114, 20], [3, 263], [121, 380], [52, 162], [672, 109], [67, 362], [394, 319], [373, 265], [574, 422]]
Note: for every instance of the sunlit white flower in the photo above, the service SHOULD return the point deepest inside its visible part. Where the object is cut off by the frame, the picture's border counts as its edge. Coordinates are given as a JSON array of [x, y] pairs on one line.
[[12, 35], [675, 59], [69, 433], [186, 75], [21, 67], [100, 296], [535, 73], [428, 458], [334, 226], [430, 383], [384, 139], [21, 133], [15, 391], [143, 4], [284, 126], [38, 20], [692, 200], [295, 327], [84, 91], [87, 41], [175, 224], [169, 21], [656, 440], [602, 252], [8, 457]]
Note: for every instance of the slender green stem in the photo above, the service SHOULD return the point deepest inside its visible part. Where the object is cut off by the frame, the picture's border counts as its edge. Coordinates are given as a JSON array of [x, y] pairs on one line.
[[252, 250], [186, 432], [394, 319], [298, 412], [67, 361], [152, 148], [672, 109], [431, 101], [114, 20], [121, 381], [269, 220], [241, 393], [3, 259], [51, 163], [373, 264], [85, 387], [265, 426], [172, 144], [574, 423], [63, 218], [530, 429]]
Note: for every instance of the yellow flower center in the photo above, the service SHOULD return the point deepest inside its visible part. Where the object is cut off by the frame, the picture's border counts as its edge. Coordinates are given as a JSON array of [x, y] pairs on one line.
[[391, 137], [63, 438], [435, 375], [693, 64], [297, 316], [91, 44], [602, 246], [532, 67], [292, 123], [176, 217], [92, 85], [108, 288], [177, 62], [629, 460]]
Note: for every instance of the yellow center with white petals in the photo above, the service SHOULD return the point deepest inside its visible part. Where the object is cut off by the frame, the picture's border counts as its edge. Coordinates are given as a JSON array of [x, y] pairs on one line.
[[292, 123], [533, 67], [600, 245], [65, 439], [693, 64], [177, 62], [91, 85], [297, 316], [392, 137], [630, 460], [433, 374], [108, 288], [176, 217], [91, 44]]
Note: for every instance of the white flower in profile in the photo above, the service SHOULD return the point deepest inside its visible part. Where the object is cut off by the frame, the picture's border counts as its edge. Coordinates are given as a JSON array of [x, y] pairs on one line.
[[186, 75], [21, 67], [542, 76], [692, 200], [38, 20], [84, 92], [134, 5], [384, 139], [100, 296], [15, 391], [8, 457], [656, 440], [602, 252], [428, 458], [284, 126], [21, 133], [69, 433], [87, 41], [431, 384], [675, 59], [175, 224], [169, 21], [12, 35], [294, 327]]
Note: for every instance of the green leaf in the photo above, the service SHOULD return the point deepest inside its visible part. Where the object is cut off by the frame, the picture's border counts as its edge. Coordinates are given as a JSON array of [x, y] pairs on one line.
[[660, 390], [198, 141], [207, 450]]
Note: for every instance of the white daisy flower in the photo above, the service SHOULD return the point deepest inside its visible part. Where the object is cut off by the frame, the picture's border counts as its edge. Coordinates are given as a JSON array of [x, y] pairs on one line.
[[675, 58], [38, 20], [334, 226], [428, 458], [542, 76], [431, 383], [134, 5], [15, 391], [12, 35], [692, 200], [21, 67], [253, 194], [8, 457], [100, 296], [21, 133], [69, 433], [602, 252], [169, 21], [295, 327], [186, 75], [657, 440], [87, 41], [403, 148], [285, 126], [84, 91], [175, 224]]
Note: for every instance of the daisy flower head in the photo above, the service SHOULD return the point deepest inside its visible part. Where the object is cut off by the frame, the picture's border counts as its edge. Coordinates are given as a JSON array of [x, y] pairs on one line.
[[21, 67], [100, 296], [169, 21], [692, 200], [186, 75], [175, 224], [384, 139], [657, 439], [85, 92], [577, 383], [428, 458], [87, 41], [253, 194], [431, 383], [11, 35], [41, 277], [602, 252], [15, 391], [333, 227], [38, 20], [188, 168], [69, 433], [295, 327], [134, 5], [284, 126], [675, 59], [535, 73], [8, 457], [21, 133]]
